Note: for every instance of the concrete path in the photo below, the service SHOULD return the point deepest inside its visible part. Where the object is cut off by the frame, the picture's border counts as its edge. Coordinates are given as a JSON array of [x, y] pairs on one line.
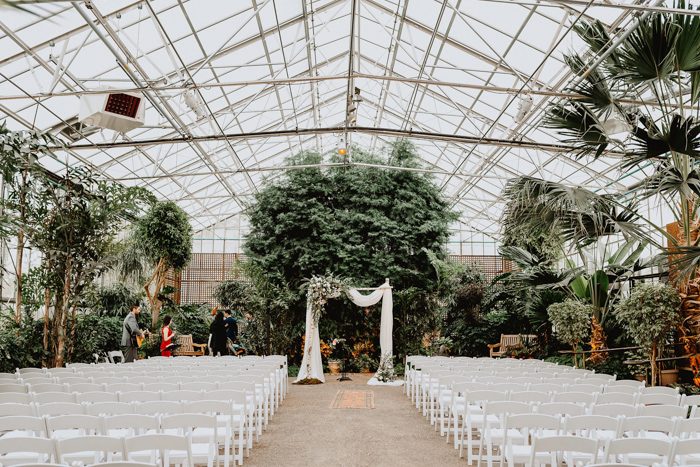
[[308, 432]]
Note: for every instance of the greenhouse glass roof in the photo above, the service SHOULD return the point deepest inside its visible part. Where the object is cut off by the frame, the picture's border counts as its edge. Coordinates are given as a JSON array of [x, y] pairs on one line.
[[234, 87]]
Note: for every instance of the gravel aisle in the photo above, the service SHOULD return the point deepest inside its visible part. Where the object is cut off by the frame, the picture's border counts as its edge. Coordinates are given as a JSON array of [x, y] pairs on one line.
[[307, 431]]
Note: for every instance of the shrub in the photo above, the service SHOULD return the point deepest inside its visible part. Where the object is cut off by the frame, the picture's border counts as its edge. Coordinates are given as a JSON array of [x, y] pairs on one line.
[[648, 315], [572, 321]]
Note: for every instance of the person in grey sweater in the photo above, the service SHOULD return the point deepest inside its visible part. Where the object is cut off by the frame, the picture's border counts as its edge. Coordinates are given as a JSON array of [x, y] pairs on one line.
[[130, 330]]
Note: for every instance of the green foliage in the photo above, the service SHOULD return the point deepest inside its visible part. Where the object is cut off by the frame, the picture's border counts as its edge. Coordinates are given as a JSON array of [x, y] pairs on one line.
[[361, 224], [571, 320], [20, 343], [114, 300], [165, 233], [96, 334], [650, 313], [234, 295]]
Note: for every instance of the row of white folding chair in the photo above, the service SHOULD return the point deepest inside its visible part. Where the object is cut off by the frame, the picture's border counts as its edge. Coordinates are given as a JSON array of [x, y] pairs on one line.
[[501, 423], [459, 417], [231, 422], [160, 449], [443, 390]]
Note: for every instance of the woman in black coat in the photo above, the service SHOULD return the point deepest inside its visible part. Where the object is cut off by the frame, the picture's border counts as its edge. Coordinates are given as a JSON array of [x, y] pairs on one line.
[[218, 335]]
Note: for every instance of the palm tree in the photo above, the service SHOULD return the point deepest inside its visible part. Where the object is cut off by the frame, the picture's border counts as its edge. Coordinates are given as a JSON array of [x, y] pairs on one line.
[[642, 103]]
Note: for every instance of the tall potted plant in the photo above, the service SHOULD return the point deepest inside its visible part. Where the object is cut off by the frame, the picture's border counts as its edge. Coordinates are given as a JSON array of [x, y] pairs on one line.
[[572, 323], [648, 315], [164, 234]]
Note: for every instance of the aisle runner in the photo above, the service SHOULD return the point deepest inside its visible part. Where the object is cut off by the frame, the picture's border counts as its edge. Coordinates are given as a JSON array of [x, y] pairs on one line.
[[353, 400]]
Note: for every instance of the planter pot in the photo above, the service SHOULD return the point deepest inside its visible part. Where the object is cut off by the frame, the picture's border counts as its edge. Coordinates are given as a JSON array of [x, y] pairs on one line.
[[669, 377], [334, 366]]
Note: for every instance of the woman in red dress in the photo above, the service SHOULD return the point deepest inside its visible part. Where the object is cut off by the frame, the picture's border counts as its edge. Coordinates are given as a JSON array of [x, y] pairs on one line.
[[166, 337]]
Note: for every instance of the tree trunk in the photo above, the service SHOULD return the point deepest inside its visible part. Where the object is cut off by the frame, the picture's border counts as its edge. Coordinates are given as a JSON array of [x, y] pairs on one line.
[[598, 342], [60, 323], [47, 301], [156, 281], [18, 277], [652, 360], [20, 247]]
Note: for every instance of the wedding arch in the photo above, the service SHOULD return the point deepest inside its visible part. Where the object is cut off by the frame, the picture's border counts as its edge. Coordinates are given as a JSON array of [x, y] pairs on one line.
[[320, 289]]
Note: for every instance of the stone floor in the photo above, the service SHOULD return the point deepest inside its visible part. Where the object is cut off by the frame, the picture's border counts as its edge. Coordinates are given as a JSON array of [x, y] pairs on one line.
[[308, 429]]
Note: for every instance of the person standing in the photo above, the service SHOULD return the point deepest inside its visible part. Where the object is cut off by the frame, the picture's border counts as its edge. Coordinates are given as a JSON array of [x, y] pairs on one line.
[[130, 331], [166, 337], [217, 329], [231, 329]]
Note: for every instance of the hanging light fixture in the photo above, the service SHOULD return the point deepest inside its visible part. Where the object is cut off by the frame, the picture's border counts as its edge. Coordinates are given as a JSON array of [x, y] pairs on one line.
[[342, 147]]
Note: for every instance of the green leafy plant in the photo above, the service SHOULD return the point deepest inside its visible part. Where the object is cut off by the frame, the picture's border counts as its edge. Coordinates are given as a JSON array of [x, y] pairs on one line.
[[572, 322], [164, 235], [360, 223], [648, 315]]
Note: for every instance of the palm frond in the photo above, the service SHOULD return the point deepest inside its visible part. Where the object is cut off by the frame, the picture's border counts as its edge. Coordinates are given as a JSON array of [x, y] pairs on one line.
[[593, 87], [671, 182], [681, 135], [649, 52], [685, 260], [596, 36], [688, 41], [582, 127]]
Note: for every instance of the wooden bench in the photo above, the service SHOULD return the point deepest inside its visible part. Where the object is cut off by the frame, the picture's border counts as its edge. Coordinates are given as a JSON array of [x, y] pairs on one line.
[[187, 347], [509, 341]]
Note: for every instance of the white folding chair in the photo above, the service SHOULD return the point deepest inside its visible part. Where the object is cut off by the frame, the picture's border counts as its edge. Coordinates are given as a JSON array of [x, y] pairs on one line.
[[564, 448], [617, 398], [115, 356], [139, 396], [561, 409], [89, 449], [600, 427], [203, 443], [122, 464], [687, 428], [666, 411], [627, 382], [157, 449], [639, 451], [473, 419], [92, 397], [181, 395], [199, 386], [648, 427], [13, 387], [51, 397], [229, 423], [495, 430], [130, 425], [660, 390], [47, 387], [20, 450], [22, 426], [86, 387], [659, 399], [71, 426], [585, 388], [585, 398], [531, 396], [15, 398], [518, 450], [10, 408], [158, 407], [614, 410], [60, 408], [109, 408], [686, 452]]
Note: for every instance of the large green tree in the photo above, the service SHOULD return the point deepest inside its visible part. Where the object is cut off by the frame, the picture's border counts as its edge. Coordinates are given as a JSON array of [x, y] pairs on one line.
[[360, 223]]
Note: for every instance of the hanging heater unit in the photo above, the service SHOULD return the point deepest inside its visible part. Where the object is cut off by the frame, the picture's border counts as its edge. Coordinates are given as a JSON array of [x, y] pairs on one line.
[[115, 111]]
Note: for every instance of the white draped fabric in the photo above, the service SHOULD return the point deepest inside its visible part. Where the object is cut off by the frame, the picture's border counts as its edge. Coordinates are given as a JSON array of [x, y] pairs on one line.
[[312, 365]]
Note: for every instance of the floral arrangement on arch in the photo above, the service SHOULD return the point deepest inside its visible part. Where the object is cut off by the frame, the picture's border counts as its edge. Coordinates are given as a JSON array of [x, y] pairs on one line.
[[320, 290]]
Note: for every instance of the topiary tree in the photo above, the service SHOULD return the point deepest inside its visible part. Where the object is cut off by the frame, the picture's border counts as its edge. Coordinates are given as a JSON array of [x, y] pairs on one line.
[[164, 234], [572, 323], [648, 315]]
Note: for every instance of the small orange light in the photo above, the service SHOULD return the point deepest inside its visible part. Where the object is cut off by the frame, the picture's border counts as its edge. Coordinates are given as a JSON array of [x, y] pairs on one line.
[[342, 151]]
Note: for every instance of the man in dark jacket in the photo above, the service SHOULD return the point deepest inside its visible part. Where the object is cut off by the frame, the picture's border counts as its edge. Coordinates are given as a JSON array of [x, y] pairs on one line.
[[130, 330]]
